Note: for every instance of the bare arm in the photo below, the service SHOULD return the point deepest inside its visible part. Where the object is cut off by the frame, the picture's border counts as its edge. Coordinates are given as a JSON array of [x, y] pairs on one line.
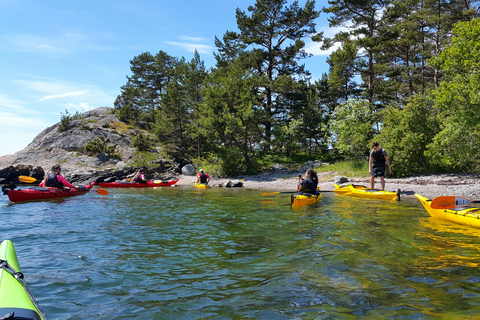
[[388, 164]]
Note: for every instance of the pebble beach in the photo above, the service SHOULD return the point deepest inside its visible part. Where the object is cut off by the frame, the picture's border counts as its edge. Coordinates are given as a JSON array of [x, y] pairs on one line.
[[430, 186]]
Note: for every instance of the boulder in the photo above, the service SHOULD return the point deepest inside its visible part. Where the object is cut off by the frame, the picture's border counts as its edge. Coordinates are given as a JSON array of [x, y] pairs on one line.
[[340, 179], [233, 184], [279, 167], [189, 170]]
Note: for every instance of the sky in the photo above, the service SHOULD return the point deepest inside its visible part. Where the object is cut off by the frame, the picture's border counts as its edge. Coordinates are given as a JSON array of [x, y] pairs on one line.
[[74, 56]]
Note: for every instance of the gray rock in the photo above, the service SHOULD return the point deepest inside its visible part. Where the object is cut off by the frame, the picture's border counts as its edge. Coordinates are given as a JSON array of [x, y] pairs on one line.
[[233, 184], [340, 179], [189, 170], [278, 167]]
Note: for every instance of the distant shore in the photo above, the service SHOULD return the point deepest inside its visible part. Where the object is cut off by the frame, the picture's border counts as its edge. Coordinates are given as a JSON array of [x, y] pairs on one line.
[[431, 186]]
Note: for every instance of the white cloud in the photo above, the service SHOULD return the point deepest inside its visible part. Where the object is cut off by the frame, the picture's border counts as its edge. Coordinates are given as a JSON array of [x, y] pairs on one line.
[[64, 95], [191, 44], [10, 103], [61, 44]]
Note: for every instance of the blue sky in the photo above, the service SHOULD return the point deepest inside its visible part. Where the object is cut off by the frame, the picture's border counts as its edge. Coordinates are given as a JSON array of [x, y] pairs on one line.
[[75, 55]]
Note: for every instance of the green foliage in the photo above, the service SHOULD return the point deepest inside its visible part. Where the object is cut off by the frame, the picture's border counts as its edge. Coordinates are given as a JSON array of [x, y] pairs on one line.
[[65, 121], [100, 145], [458, 144], [211, 164], [141, 142], [352, 128], [406, 134], [146, 160]]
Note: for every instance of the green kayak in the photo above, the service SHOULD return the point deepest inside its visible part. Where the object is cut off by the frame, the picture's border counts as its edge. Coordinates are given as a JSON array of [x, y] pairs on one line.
[[16, 301]]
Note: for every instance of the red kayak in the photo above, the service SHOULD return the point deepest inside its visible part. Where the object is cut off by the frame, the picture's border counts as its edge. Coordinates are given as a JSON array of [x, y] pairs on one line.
[[40, 193], [155, 183]]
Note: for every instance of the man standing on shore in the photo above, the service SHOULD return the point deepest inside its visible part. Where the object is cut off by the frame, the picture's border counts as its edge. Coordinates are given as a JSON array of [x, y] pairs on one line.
[[376, 165]]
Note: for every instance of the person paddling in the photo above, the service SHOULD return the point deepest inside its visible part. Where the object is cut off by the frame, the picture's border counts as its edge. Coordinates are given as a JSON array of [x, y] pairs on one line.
[[55, 179], [139, 177], [202, 177], [309, 184]]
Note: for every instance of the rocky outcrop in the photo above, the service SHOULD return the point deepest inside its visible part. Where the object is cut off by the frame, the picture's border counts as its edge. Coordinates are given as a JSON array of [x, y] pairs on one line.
[[66, 147]]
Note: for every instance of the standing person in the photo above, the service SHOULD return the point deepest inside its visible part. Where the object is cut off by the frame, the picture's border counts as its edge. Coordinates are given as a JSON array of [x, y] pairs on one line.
[[309, 184], [376, 165], [55, 179], [202, 177], [139, 177]]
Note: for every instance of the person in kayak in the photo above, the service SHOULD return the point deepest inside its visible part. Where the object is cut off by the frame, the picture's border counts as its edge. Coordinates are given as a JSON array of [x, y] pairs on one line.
[[202, 177], [309, 184], [139, 177], [376, 165], [55, 179]]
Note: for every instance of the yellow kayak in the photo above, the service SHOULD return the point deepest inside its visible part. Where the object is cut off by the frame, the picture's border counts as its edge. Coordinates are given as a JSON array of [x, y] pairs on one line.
[[347, 188], [466, 215], [364, 192], [302, 200], [201, 185]]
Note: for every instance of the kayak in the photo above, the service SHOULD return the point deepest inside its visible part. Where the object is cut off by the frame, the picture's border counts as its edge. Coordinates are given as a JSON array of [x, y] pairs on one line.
[[14, 295], [155, 183], [347, 188], [363, 192], [469, 216], [201, 185], [302, 200], [41, 193]]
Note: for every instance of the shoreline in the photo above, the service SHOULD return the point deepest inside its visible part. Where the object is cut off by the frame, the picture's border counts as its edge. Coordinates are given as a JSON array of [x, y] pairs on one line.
[[430, 186]]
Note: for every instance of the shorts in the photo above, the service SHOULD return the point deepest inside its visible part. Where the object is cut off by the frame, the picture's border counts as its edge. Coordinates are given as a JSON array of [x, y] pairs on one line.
[[378, 172]]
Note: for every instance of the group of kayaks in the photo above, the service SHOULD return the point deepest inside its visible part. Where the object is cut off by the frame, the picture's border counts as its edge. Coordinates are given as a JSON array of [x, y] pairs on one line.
[[301, 200], [42, 193]]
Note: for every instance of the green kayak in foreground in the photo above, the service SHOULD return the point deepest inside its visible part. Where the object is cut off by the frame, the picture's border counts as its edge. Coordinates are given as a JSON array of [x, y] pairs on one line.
[[16, 301]]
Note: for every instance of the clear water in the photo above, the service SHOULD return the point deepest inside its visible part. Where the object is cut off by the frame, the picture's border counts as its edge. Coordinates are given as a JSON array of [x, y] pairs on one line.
[[186, 253]]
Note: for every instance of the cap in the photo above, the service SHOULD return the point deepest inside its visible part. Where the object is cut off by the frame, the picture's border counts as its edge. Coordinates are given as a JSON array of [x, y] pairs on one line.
[[201, 170]]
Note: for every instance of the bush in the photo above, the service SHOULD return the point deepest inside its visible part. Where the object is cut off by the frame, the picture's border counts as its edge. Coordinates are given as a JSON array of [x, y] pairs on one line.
[[141, 142], [100, 145]]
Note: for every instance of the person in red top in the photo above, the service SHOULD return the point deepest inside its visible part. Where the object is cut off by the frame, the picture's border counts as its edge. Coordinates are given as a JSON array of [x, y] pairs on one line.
[[55, 179], [202, 177]]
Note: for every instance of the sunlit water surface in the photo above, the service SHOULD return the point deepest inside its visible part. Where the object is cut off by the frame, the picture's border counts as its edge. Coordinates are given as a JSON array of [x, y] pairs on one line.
[[186, 253]]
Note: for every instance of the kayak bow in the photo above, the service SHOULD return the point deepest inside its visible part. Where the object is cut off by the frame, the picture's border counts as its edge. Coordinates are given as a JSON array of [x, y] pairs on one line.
[[14, 295]]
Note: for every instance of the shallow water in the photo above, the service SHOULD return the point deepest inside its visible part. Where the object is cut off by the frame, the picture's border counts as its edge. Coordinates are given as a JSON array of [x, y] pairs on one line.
[[186, 253]]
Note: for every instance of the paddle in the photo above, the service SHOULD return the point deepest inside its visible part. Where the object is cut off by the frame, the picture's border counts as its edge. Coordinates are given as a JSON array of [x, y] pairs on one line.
[[450, 202], [27, 179], [272, 193]]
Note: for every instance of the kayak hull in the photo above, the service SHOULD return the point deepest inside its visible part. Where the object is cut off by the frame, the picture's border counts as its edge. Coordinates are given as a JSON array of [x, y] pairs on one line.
[[40, 193], [14, 297], [136, 184], [302, 200], [368, 193], [201, 185], [467, 215]]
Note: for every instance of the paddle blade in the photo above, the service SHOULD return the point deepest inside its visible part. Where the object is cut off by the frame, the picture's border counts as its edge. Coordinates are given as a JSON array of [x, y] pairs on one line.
[[27, 179], [449, 202], [100, 191]]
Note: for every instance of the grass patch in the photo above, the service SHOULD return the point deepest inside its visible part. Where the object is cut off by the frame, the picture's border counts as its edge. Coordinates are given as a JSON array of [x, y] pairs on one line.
[[353, 168]]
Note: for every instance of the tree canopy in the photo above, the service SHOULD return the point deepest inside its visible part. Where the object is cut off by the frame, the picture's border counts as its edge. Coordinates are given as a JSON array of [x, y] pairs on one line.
[[405, 73]]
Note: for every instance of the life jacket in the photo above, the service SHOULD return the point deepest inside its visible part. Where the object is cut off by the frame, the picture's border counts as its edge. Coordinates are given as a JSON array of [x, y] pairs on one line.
[[309, 186], [52, 181], [203, 178], [378, 158], [139, 179]]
